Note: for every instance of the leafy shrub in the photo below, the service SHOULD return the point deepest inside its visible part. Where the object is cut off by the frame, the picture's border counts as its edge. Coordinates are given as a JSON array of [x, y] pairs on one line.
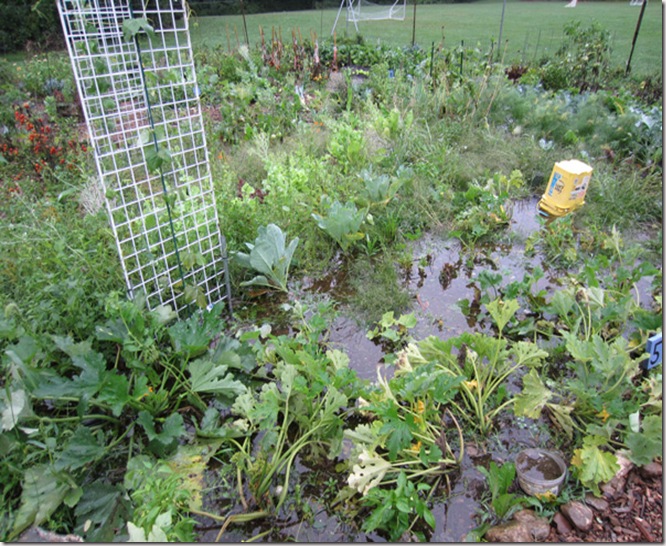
[[582, 61], [25, 21]]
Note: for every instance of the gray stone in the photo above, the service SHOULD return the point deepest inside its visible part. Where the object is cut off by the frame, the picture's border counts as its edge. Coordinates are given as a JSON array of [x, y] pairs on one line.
[[599, 504], [525, 526], [617, 483], [578, 514], [651, 470], [562, 523], [512, 531], [37, 534], [538, 527]]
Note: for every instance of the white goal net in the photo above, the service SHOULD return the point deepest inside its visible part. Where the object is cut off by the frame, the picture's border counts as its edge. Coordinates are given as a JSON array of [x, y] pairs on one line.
[[362, 10]]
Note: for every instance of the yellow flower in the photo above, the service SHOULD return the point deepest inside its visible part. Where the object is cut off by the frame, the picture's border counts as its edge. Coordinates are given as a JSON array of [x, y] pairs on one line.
[[471, 385], [416, 447], [548, 496], [604, 415], [420, 406]]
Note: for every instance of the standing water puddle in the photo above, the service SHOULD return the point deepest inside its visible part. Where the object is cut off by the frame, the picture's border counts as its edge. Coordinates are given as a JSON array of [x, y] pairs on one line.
[[439, 279], [442, 275]]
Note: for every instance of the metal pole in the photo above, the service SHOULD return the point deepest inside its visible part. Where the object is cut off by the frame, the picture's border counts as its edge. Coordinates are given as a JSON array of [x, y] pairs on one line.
[[242, 7], [633, 42], [414, 25], [499, 41]]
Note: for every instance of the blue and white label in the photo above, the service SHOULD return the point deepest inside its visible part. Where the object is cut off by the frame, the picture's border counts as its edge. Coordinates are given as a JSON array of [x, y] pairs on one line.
[[654, 349]]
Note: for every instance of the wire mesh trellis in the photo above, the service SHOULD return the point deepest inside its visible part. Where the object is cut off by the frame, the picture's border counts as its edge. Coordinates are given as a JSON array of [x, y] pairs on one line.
[[134, 71]]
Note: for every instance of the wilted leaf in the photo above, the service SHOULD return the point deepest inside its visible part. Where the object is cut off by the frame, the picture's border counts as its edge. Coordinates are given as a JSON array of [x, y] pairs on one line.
[[339, 359], [14, 408], [189, 464], [595, 466], [533, 397], [368, 473], [43, 490], [562, 417]]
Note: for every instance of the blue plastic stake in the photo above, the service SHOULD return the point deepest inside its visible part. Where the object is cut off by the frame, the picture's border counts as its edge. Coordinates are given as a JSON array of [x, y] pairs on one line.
[[654, 349]]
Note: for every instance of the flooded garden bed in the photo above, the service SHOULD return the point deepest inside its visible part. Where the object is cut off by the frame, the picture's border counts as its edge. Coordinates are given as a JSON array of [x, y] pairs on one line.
[[400, 323]]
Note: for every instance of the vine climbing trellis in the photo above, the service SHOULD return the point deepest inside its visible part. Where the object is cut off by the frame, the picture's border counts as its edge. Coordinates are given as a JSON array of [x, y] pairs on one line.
[[135, 75]]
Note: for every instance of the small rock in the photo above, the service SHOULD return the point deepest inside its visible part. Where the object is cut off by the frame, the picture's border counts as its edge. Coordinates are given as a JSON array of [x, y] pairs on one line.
[[37, 534], [613, 520], [599, 504], [651, 470], [512, 531], [472, 450], [579, 515], [539, 527], [562, 524], [617, 483]]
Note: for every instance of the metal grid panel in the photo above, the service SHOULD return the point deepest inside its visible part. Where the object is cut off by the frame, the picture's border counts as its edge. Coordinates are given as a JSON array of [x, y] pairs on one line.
[[140, 99]]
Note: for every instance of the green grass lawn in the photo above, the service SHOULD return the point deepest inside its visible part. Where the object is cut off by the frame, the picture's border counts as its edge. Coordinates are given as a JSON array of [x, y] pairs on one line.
[[531, 29]]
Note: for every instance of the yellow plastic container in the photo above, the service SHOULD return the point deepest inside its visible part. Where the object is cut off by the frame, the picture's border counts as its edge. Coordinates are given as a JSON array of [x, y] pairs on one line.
[[566, 188]]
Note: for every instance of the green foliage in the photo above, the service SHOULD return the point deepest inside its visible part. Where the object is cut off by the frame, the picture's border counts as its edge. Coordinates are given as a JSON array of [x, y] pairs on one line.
[[24, 21], [500, 478], [341, 222], [594, 465], [484, 211], [307, 393], [393, 331], [133, 27], [270, 256], [485, 362], [102, 399], [348, 147], [404, 445], [582, 60], [396, 510], [53, 416], [646, 443], [157, 492]]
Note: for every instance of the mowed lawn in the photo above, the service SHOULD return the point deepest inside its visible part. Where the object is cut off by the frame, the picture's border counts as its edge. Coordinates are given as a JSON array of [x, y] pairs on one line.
[[531, 29]]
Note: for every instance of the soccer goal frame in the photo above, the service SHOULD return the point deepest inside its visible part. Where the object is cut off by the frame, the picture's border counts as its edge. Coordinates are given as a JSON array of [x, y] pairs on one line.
[[363, 10]]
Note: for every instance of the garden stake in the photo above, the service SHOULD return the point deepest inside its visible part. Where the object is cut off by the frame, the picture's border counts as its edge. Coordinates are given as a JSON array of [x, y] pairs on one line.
[[633, 41]]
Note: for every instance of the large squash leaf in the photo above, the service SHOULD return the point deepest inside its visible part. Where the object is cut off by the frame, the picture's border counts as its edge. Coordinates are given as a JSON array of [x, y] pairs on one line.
[[594, 465], [44, 490], [534, 397], [647, 444]]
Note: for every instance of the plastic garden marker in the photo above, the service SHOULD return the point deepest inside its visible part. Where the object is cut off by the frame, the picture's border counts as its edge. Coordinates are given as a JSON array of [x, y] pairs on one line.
[[654, 349]]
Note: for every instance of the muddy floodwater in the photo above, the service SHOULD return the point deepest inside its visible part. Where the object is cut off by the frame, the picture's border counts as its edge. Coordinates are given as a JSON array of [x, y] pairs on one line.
[[439, 279], [439, 286]]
